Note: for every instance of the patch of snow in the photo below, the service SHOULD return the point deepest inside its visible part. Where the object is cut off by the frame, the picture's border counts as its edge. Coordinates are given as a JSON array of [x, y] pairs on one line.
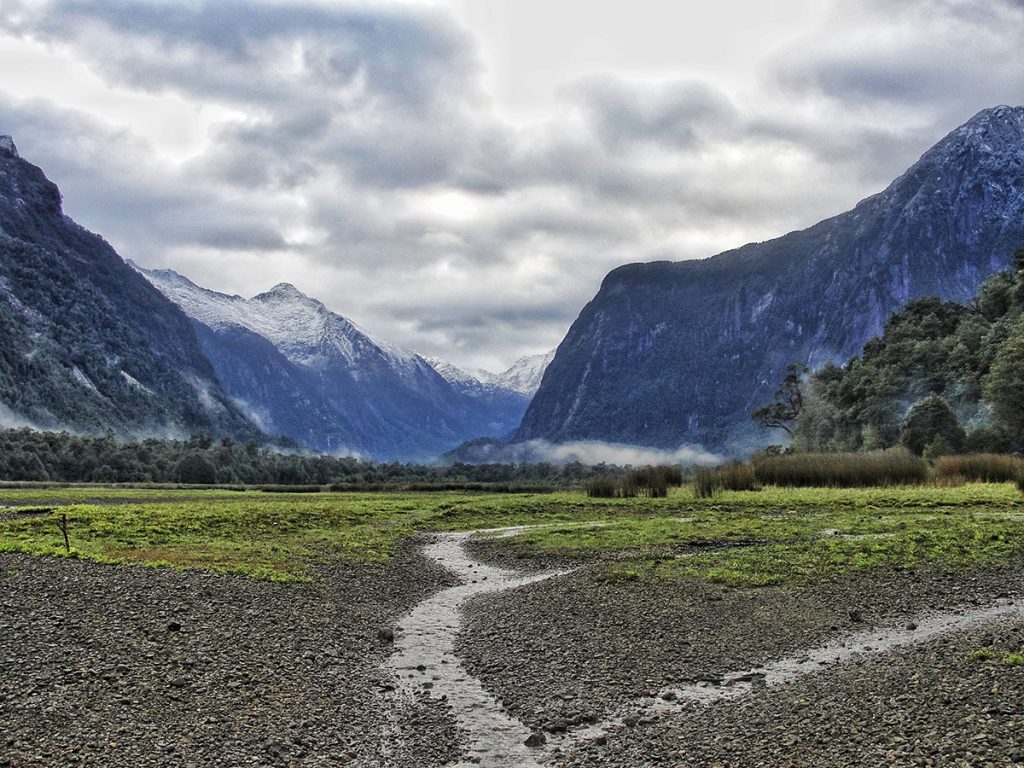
[[82, 379], [7, 144], [525, 374], [301, 328], [523, 377]]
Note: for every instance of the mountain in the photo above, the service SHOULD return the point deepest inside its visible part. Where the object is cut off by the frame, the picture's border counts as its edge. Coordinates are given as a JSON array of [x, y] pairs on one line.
[[673, 353], [300, 370], [523, 378], [525, 374], [86, 343]]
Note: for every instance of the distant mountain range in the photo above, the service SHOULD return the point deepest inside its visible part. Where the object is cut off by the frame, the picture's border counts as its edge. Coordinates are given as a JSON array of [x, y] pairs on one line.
[[298, 369], [681, 353], [666, 354]]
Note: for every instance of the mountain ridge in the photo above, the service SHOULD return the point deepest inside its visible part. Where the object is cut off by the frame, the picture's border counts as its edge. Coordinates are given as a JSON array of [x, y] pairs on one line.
[[298, 368], [85, 343], [669, 353]]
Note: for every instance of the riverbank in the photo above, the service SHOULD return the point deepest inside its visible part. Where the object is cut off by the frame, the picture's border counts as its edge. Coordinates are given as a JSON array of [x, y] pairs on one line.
[[109, 665], [652, 636]]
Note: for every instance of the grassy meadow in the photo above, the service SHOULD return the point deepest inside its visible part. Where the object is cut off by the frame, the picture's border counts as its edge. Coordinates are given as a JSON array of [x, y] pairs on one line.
[[742, 538]]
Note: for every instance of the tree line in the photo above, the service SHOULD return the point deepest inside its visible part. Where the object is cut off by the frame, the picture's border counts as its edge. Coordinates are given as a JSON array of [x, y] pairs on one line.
[[30, 455], [943, 378]]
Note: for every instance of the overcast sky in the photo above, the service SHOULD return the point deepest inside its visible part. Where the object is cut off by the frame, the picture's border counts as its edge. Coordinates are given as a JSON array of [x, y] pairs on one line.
[[458, 176]]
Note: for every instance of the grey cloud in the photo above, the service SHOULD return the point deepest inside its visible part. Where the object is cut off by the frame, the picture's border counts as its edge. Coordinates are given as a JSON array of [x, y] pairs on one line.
[[349, 118], [241, 50], [354, 86], [111, 184], [675, 114], [935, 55]]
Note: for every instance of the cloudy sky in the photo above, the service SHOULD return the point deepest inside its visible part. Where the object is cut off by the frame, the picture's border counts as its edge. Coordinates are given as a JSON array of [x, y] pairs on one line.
[[458, 176]]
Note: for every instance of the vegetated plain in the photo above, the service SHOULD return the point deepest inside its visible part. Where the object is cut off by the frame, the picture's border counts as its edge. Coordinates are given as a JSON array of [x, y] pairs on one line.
[[257, 639], [740, 538]]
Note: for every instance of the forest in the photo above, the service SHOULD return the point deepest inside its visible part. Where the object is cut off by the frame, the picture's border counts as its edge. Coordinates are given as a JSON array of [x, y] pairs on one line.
[[30, 455], [943, 378]]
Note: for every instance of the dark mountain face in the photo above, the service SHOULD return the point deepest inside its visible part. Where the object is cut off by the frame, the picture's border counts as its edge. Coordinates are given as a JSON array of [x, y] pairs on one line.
[[673, 353], [300, 370], [86, 343]]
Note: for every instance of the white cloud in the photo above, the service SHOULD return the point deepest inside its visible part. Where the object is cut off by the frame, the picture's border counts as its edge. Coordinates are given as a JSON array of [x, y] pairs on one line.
[[362, 152]]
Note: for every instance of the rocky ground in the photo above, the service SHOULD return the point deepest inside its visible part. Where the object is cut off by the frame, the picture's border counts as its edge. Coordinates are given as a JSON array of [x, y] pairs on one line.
[[575, 649], [116, 666], [932, 705]]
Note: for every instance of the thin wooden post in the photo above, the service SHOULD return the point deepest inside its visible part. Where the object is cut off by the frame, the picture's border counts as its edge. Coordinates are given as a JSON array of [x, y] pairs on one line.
[[64, 530]]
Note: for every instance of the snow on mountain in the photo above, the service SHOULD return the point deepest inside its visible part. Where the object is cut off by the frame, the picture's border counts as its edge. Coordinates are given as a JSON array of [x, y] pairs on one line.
[[301, 370], [523, 378], [302, 328], [525, 374]]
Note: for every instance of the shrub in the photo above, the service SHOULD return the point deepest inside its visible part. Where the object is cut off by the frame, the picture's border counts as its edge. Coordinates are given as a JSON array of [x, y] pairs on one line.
[[654, 482], [842, 470], [931, 420], [736, 476], [627, 487], [601, 487], [705, 483], [980, 468]]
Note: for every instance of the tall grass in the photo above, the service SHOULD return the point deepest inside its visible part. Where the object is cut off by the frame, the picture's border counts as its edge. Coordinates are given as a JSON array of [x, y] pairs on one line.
[[735, 476], [842, 470], [979, 468], [602, 487], [652, 482]]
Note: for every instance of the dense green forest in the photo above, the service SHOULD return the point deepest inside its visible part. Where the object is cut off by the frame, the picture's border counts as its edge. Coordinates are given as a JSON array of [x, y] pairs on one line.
[[942, 378], [28, 455]]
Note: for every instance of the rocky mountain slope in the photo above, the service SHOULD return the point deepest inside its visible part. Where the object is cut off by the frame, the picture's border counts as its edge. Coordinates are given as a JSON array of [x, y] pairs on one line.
[[303, 371], [672, 353], [85, 342]]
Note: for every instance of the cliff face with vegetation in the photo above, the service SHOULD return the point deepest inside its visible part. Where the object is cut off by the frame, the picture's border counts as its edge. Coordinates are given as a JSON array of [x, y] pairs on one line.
[[943, 376], [673, 353], [85, 342]]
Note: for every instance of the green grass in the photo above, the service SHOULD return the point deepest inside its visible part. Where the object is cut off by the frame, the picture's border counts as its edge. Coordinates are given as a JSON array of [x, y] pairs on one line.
[[739, 538], [981, 654]]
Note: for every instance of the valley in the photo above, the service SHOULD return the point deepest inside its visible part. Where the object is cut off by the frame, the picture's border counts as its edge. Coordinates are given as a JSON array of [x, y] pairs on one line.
[[317, 628]]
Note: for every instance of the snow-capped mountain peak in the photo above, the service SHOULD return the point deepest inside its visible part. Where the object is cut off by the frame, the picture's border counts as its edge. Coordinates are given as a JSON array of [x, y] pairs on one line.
[[523, 377], [301, 327], [526, 373]]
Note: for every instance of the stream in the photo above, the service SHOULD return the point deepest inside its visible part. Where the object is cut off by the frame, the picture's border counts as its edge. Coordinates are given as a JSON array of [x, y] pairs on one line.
[[423, 662], [424, 656]]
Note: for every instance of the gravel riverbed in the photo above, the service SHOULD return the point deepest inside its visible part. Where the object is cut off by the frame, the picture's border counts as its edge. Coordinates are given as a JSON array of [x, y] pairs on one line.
[[578, 649], [126, 666], [930, 705]]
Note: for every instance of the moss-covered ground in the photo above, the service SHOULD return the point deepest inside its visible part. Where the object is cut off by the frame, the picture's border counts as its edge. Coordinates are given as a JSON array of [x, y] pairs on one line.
[[740, 538]]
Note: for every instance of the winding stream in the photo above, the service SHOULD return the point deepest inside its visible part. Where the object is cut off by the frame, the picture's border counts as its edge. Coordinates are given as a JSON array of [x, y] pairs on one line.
[[424, 662], [424, 656]]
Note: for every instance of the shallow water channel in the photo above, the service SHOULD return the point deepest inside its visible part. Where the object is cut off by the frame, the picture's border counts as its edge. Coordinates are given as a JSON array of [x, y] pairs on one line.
[[424, 662], [424, 656]]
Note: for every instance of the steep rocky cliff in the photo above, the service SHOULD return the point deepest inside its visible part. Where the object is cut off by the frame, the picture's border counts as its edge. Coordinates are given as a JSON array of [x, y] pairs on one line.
[[674, 353], [86, 343]]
